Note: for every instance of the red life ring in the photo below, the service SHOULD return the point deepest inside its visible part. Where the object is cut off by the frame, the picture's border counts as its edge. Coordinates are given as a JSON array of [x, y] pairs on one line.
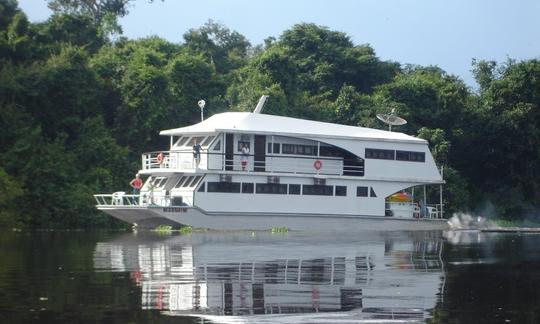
[[317, 165], [159, 158]]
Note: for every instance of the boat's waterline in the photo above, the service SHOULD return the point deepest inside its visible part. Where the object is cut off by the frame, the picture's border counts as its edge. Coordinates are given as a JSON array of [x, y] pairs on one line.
[[150, 217]]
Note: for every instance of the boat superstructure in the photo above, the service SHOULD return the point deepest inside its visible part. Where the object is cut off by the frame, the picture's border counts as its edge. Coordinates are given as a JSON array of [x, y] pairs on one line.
[[259, 171]]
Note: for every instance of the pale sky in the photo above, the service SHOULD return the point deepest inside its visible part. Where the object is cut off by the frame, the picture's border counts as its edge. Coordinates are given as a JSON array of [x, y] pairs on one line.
[[446, 33]]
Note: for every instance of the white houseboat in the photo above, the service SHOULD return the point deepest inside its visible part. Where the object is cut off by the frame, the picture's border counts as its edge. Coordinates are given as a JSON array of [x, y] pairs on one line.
[[257, 171]]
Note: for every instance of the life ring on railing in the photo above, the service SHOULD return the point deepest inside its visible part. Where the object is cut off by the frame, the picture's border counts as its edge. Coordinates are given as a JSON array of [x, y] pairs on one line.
[[317, 165], [159, 158]]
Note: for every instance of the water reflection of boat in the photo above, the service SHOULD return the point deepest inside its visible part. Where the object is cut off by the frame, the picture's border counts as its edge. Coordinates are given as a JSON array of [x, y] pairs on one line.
[[224, 277]]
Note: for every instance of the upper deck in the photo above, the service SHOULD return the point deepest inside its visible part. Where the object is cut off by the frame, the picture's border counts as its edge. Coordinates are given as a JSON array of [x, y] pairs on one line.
[[273, 154], [278, 144]]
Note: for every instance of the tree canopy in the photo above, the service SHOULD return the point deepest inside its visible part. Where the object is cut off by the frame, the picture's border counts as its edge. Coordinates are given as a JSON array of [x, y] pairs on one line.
[[77, 109]]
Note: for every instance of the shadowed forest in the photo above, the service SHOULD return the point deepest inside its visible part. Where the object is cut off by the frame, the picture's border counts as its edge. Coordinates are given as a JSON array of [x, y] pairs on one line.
[[79, 103]]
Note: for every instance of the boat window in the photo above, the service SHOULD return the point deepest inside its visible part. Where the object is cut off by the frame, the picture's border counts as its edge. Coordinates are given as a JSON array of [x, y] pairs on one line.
[[330, 151], [195, 181], [217, 147], [361, 191], [380, 154], [207, 140], [275, 148], [202, 187], [341, 191], [271, 188], [242, 144], [180, 182], [181, 141], [317, 190], [233, 187], [411, 156], [159, 182], [188, 181], [247, 187], [194, 139], [299, 149], [372, 192], [294, 189]]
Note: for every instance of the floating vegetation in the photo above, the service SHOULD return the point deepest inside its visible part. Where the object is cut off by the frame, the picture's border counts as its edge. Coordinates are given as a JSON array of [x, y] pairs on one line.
[[276, 230], [186, 230], [163, 229], [515, 223]]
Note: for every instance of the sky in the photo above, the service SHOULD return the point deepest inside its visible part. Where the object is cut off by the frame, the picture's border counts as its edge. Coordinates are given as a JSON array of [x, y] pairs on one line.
[[448, 34]]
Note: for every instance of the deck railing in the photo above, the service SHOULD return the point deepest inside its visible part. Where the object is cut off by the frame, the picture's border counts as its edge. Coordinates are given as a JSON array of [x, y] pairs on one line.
[[183, 160], [121, 199]]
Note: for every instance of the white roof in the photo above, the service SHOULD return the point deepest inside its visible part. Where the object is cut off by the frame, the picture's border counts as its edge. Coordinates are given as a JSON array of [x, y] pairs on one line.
[[246, 122]]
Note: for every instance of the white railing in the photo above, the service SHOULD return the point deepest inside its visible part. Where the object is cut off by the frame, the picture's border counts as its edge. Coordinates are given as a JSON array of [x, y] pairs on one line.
[[118, 199], [184, 160]]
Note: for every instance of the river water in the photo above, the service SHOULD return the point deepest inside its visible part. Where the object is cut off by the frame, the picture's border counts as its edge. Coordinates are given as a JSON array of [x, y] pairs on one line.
[[260, 277]]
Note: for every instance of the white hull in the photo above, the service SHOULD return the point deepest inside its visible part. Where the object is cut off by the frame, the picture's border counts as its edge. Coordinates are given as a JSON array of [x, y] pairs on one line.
[[150, 217]]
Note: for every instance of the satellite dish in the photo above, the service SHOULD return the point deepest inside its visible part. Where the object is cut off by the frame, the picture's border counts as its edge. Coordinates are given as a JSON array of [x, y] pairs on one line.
[[391, 119]]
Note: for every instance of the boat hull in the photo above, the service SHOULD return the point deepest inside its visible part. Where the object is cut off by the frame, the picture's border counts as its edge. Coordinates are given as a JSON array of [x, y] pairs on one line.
[[150, 217]]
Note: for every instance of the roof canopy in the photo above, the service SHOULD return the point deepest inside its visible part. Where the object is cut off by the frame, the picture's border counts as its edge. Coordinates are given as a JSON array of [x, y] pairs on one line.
[[246, 122]]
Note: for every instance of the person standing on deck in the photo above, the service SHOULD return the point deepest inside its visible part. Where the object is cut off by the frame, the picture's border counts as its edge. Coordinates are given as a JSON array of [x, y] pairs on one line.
[[136, 184], [197, 153], [245, 156]]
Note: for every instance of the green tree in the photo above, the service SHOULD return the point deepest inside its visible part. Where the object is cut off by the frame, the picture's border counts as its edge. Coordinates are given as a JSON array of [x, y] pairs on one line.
[[223, 48]]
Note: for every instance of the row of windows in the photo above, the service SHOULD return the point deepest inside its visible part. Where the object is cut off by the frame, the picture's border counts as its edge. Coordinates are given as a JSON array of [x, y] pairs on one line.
[[395, 155], [283, 189], [297, 149], [157, 182], [190, 141], [188, 181]]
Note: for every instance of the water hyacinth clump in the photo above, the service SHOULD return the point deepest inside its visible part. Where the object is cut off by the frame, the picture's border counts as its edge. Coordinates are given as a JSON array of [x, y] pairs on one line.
[[276, 230]]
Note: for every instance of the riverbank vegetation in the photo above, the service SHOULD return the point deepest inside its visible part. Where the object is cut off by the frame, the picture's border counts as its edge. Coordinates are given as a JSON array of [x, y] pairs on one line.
[[79, 103]]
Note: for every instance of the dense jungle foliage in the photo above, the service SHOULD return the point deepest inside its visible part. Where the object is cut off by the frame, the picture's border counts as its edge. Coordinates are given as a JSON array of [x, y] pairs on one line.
[[79, 103]]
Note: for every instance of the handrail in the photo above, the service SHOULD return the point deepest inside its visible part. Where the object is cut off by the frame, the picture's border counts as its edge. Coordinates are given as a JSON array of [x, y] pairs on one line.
[[184, 160], [117, 199], [120, 199]]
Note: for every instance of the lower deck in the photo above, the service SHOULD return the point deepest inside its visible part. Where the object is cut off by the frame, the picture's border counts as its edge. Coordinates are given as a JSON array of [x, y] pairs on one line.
[[193, 216], [239, 194]]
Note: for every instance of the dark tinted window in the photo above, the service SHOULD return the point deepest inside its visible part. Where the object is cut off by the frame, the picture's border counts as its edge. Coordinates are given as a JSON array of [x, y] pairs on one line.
[[410, 156], [294, 189], [181, 141], [361, 191], [318, 190], [276, 147], [247, 187], [331, 151], [271, 188], [341, 191], [224, 187], [372, 192], [299, 149], [202, 187], [380, 154], [180, 182], [188, 181], [217, 147], [195, 181], [207, 141]]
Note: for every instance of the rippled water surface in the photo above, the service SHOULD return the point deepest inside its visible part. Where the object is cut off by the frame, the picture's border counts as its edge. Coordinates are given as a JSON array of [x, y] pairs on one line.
[[259, 277]]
